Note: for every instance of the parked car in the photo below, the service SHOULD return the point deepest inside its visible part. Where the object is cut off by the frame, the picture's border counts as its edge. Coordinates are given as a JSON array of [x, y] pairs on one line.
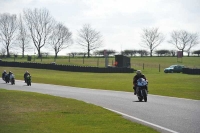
[[174, 69]]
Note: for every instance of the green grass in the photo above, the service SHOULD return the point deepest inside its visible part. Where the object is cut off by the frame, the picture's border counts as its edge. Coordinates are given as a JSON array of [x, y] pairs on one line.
[[25, 112], [172, 84]]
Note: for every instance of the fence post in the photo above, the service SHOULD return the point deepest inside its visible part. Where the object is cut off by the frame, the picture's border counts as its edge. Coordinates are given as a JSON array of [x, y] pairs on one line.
[[143, 66], [98, 62], [159, 67]]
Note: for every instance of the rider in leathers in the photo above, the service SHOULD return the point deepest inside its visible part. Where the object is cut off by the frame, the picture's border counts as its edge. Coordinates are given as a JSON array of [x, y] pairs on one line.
[[136, 77], [4, 74]]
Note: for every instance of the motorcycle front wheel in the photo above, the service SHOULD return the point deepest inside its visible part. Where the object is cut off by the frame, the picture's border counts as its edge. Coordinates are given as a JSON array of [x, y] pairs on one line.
[[144, 93], [140, 99]]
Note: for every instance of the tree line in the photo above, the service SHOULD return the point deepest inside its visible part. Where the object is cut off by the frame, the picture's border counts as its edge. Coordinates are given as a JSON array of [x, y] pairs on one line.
[[141, 53], [40, 28]]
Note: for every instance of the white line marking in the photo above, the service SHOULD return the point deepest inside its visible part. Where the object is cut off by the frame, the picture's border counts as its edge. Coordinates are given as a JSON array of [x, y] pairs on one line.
[[163, 128]]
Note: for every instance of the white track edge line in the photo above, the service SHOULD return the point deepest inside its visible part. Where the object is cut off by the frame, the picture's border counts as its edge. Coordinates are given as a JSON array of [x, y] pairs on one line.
[[163, 128]]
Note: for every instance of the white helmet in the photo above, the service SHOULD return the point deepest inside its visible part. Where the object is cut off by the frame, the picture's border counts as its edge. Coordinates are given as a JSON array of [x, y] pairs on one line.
[[138, 72]]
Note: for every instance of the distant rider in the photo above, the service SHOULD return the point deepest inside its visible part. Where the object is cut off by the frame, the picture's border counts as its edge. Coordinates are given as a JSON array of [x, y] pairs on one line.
[[25, 75], [4, 74], [135, 79], [11, 75]]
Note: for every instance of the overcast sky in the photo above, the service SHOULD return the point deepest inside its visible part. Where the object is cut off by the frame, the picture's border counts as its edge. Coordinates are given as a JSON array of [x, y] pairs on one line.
[[120, 22]]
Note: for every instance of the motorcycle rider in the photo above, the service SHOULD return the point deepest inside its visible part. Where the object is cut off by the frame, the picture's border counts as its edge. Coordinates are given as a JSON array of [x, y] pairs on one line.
[[4, 74], [135, 79], [25, 75], [11, 75]]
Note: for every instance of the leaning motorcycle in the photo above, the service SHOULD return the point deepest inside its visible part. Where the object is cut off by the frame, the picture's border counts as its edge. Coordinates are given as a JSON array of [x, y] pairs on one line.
[[141, 89], [7, 78], [12, 81], [4, 76]]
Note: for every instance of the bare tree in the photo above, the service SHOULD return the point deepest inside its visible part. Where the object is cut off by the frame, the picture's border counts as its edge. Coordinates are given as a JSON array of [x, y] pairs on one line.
[[60, 38], [102, 52], [40, 23], [183, 40], [162, 52], [89, 38], [130, 52], [172, 52], [194, 40], [23, 37], [8, 28], [151, 38], [197, 52], [142, 52], [81, 54], [73, 54]]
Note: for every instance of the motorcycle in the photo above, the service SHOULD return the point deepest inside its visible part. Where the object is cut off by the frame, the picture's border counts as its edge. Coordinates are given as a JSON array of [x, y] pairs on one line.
[[6, 78], [141, 89], [3, 76], [141, 93], [28, 80], [12, 81]]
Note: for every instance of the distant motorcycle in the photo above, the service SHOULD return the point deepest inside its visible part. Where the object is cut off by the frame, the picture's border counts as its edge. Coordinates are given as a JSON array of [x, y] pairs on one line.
[[141, 89], [12, 81], [28, 80], [6, 79], [4, 75]]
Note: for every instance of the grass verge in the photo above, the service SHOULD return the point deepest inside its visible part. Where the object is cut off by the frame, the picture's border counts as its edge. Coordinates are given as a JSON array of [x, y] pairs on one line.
[[22, 112]]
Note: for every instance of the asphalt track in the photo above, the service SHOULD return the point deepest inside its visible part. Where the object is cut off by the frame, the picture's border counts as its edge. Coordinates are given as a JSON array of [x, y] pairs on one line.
[[166, 114]]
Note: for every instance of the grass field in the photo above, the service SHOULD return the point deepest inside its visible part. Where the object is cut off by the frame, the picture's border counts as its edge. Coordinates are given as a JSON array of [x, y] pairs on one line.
[[25, 112]]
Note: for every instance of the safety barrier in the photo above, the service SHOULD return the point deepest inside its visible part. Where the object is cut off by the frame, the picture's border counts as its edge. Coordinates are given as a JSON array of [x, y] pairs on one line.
[[72, 68], [191, 70]]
